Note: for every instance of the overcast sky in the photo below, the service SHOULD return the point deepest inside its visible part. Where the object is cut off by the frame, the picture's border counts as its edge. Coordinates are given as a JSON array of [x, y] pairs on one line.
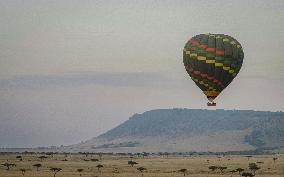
[[70, 70]]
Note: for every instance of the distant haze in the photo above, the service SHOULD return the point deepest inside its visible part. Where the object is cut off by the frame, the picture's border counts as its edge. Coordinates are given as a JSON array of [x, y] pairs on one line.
[[70, 70]]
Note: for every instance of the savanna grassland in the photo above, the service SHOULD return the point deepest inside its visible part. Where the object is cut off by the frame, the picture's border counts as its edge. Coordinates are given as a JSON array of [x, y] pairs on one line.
[[91, 165]]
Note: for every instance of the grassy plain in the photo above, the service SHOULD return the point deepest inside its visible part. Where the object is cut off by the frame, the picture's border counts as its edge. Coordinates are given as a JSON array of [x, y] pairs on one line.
[[156, 166]]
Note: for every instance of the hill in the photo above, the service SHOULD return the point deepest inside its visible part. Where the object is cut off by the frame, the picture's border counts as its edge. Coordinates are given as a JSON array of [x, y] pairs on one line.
[[184, 130]]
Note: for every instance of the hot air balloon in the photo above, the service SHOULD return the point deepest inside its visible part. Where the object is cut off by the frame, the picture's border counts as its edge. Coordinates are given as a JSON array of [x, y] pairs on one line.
[[212, 61]]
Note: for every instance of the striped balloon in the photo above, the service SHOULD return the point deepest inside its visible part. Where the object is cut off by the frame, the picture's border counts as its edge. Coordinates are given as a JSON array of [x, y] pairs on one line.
[[212, 61]]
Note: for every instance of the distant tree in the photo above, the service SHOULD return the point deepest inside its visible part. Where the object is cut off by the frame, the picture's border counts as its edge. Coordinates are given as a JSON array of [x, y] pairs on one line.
[[55, 170], [141, 169], [19, 157], [253, 167], [50, 154], [240, 170], [183, 171], [38, 165], [132, 163], [274, 159], [166, 154], [65, 154], [145, 154], [100, 155], [23, 171], [86, 154], [99, 167], [42, 157], [247, 174], [8, 165], [212, 168], [94, 160], [248, 156], [115, 170], [233, 172], [80, 170], [222, 169]]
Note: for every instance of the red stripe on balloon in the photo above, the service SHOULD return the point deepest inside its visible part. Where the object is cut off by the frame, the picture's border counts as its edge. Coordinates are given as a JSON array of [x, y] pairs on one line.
[[220, 52], [196, 72], [210, 49], [210, 77], [204, 75], [202, 46]]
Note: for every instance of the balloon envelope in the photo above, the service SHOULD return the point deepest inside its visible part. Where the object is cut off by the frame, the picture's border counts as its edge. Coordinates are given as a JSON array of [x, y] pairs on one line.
[[212, 61]]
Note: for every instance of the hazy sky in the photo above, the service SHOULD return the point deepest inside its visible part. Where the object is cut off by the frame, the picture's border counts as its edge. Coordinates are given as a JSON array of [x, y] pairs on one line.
[[70, 70]]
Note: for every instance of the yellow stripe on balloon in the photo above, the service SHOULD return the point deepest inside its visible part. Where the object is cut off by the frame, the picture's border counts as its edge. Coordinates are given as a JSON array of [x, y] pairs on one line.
[[225, 40], [210, 61], [204, 84], [202, 58], [226, 68], [218, 64], [211, 93], [198, 81], [231, 71]]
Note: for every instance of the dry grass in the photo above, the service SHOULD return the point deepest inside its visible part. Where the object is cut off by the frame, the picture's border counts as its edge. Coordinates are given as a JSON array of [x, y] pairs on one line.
[[157, 166]]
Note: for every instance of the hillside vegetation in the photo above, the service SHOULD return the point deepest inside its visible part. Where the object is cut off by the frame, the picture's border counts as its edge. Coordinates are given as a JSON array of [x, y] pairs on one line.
[[182, 130]]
